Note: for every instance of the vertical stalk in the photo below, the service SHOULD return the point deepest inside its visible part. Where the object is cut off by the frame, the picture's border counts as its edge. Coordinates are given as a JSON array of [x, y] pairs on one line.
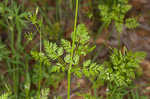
[[18, 49], [15, 79], [40, 41], [38, 27], [19, 35], [58, 10], [39, 83], [95, 92], [27, 80], [12, 38], [72, 50]]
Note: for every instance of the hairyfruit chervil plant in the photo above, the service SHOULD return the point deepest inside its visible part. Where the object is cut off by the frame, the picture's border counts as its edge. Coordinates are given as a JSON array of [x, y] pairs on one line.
[[123, 68], [58, 58], [66, 57], [119, 70], [115, 11]]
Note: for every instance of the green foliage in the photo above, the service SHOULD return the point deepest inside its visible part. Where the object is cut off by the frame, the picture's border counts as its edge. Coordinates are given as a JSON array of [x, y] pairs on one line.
[[136, 95], [29, 36], [115, 11], [119, 70], [82, 36], [13, 21], [131, 23], [5, 95], [131, 92], [43, 94], [90, 69], [53, 61], [53, 52], [88, 96], [121, 67], [49, 73], [40, 57], [113, 92], [58, 57], [11, 16], [4, 52]]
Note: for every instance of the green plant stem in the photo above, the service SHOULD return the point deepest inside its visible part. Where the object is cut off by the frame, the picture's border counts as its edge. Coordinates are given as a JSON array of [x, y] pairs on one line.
[[12, 39], [40, 67], [58, 8], [39, 83], [18, 49], [72, 51], [40, 41], [95, 92], [15, 76], [18, 36], [27, 80]]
